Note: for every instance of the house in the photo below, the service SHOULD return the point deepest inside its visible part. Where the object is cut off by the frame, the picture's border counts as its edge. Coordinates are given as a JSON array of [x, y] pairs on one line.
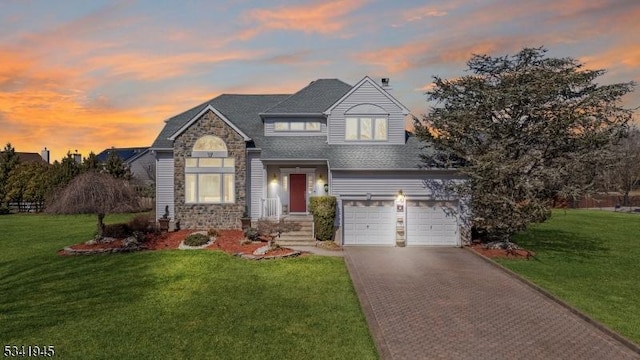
[[270, 153], [28, 157], [140, 160]]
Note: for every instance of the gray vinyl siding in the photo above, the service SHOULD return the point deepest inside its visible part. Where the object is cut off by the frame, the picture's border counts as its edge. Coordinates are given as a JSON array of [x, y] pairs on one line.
[[346, 183], [367, 94], [164, 183], [256, 186], [269, 129]]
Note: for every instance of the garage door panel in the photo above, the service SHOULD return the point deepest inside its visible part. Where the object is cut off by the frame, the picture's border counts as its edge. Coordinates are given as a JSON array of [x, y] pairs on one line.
[[369, 223], [431, 223]]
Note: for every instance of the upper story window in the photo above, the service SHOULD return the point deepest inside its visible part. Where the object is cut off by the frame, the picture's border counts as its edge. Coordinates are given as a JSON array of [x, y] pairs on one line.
[[297, 126], [209, 173], [366, 128], [366, 122]]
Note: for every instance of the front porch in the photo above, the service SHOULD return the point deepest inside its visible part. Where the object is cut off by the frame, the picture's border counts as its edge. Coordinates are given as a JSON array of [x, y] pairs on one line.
[[288, 189]]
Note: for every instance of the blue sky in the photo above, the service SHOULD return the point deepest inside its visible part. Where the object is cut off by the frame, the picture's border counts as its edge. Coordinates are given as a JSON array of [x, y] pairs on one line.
[[89, 75]]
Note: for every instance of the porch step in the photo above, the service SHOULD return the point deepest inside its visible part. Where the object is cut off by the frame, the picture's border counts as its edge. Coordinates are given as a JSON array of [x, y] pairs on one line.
[[301, 236]]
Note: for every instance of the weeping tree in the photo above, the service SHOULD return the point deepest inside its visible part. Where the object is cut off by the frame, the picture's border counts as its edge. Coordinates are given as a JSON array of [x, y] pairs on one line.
[[95, 193], [524, 129]]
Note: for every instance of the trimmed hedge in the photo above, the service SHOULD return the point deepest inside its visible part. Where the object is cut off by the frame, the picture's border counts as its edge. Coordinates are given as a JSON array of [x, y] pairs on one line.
[[323, 209]]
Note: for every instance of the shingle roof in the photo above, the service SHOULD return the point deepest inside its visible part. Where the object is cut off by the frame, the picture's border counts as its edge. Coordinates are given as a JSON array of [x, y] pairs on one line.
[[316, 97], [245, 110], [242, 110], [27, 157], [406, 156], [123, 153]]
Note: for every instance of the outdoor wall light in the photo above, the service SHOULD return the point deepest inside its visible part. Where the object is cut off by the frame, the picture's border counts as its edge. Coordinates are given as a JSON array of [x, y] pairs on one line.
[[326, 188], [400, 197], [368, 196]]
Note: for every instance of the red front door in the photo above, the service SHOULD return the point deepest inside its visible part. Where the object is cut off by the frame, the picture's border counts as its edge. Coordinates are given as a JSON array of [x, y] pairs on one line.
[[297, 193]]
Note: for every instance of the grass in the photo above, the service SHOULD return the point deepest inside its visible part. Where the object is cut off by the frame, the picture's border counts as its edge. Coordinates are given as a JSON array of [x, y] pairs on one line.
[[589, 258], [170, 304]]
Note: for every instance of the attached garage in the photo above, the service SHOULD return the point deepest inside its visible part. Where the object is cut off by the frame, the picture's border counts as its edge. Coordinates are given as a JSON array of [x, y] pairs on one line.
[[432, 223], [369, 223]]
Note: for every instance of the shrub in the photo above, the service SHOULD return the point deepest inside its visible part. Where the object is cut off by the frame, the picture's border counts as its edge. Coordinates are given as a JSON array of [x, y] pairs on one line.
[[143, 223], [213, 232], [4, 210], [119, 230], [323, 209], [252, 234], [196, 240]]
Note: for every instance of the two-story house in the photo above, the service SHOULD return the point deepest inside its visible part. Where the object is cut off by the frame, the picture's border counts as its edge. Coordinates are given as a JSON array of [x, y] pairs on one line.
[[270, 153]]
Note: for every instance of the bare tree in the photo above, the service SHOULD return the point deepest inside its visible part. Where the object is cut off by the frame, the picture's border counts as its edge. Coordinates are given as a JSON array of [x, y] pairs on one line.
[[624, 173], [95, 193]]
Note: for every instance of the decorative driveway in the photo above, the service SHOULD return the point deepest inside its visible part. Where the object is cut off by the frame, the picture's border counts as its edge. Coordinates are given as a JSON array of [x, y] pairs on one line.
[[448, 303]]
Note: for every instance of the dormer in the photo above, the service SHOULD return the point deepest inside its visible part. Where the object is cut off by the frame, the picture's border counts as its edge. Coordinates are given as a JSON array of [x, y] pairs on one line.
[[302, 114], [366, 114]]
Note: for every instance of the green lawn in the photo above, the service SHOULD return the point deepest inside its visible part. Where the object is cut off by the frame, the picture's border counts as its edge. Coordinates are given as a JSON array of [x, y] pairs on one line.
[[590, 259], [170, 304]]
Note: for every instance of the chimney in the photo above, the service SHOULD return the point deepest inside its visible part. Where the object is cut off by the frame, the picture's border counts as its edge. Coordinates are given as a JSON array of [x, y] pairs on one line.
[[385, 85], [77, 157], [45, 154]]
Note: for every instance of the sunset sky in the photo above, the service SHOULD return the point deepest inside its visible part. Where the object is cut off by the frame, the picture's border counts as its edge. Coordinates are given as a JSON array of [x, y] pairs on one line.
[[89, 75]]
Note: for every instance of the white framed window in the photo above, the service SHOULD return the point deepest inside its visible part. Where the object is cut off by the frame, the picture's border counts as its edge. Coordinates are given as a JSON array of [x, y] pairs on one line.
[[209, 173], [297, 126], [366, 128]]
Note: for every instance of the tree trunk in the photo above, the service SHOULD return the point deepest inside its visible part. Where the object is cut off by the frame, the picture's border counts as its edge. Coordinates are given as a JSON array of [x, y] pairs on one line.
[[100, 226], [625, 199]]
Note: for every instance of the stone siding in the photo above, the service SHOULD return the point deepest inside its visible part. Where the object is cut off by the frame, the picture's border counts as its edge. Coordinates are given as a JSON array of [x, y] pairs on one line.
[[206, 216]]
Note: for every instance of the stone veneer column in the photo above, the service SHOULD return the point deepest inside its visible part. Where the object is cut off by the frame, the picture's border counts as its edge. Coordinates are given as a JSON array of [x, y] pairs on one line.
[[206, 216]]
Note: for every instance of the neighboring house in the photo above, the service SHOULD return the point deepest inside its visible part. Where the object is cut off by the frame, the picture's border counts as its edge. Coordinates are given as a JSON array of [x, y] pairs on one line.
[[140, 160], [27, 157], [270, 153]]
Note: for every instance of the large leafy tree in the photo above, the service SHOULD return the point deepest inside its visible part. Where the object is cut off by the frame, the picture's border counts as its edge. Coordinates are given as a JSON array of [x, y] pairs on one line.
[[524, 129], [28, 183]]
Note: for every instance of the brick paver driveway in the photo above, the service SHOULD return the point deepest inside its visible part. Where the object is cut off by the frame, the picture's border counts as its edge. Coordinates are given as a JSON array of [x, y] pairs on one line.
[[444, 303]]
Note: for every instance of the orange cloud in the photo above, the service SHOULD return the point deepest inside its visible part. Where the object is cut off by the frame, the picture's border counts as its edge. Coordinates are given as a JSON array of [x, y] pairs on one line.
[[426, 53], [142, 66], [322, 17]]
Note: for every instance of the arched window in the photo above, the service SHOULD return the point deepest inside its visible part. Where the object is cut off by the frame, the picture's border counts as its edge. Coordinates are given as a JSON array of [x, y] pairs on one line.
[[209, 146], [366, 122], [209, 173]]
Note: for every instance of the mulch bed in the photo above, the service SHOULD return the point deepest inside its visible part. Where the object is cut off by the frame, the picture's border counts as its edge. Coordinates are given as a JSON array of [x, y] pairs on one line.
[[228, 241], [522, 254]]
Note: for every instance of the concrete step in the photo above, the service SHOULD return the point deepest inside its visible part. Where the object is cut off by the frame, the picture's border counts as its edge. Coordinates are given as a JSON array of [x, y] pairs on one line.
[[294, 242]]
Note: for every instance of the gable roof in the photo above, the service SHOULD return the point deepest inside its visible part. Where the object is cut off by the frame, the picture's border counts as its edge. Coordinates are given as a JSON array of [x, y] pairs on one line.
[[126, 154], [209, 107], [242, 109], [27, 157], [245, 111], [314, 98], [355, 87]]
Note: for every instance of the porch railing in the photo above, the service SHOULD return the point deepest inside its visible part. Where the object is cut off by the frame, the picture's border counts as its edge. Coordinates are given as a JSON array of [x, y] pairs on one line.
[[272, 208]]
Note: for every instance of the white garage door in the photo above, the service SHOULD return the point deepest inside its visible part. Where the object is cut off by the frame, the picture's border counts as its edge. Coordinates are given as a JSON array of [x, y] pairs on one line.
[[369, 223], [429, 223]]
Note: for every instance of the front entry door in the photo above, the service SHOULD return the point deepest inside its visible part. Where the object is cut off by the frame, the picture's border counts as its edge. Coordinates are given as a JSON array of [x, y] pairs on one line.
[[297, 193]]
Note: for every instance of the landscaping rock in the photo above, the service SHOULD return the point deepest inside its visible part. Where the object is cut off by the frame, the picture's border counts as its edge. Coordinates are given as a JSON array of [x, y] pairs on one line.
[[130, 242], [261, 250]]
